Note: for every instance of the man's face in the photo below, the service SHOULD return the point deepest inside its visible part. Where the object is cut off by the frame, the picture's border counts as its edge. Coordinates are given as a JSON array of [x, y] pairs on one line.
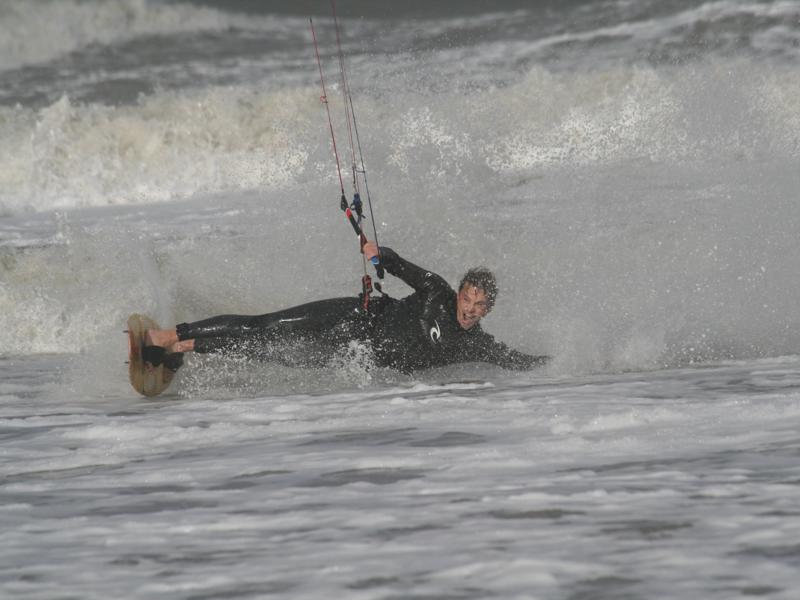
[[471, 306]]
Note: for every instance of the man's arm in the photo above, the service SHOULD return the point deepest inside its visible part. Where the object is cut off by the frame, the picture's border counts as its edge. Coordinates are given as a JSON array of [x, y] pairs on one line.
[[486, 349], [418, 278]]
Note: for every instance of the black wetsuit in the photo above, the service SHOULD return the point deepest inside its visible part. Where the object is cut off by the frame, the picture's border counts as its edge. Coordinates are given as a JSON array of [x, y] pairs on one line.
[[416, 332]]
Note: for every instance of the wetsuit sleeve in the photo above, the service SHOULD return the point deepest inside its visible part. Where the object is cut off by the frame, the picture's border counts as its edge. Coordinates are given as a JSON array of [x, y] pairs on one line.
[[486, 349], [418, 278]]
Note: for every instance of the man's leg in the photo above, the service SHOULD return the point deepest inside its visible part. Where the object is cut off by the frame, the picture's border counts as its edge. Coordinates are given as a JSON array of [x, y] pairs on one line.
[[323, 318]]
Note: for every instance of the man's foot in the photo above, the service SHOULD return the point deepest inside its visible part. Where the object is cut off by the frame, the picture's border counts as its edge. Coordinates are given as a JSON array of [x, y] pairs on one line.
[[160, 348], [165, 338], [168, 339]]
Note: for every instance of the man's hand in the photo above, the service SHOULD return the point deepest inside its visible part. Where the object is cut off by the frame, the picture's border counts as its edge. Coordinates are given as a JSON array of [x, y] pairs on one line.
[[370, 250]]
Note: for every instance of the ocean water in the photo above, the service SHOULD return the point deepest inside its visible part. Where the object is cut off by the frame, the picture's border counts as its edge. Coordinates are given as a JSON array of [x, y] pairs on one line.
[[628, 169]]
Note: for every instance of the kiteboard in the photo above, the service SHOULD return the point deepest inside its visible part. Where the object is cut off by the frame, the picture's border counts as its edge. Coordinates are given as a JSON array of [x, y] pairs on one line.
[[145, 378]]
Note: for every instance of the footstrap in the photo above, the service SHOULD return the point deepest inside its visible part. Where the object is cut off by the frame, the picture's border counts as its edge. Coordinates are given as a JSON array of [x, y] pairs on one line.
[[157, 356], [173, 361], [153, 355]]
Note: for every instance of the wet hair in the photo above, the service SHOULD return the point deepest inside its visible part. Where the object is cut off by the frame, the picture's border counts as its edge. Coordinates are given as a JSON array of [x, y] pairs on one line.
[[483, 279]]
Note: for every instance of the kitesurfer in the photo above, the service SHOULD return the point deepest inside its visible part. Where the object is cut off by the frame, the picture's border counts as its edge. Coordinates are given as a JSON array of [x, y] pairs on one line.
[[432, 327]]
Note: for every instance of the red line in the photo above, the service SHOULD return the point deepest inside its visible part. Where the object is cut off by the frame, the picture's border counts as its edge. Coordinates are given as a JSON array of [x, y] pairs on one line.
[[327, 109]]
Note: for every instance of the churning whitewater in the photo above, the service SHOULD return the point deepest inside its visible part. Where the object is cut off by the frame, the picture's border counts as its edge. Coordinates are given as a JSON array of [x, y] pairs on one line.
[[628, 170]]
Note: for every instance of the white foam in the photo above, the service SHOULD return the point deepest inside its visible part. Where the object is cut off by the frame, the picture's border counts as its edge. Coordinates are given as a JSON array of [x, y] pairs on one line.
[[174, 145], [170, 146]]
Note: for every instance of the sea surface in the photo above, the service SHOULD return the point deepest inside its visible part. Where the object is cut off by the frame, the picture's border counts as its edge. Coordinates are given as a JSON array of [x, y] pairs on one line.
[[630, 170]]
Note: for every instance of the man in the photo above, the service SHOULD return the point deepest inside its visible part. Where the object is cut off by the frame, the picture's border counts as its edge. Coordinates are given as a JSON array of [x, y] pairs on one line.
[[432, 327]]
